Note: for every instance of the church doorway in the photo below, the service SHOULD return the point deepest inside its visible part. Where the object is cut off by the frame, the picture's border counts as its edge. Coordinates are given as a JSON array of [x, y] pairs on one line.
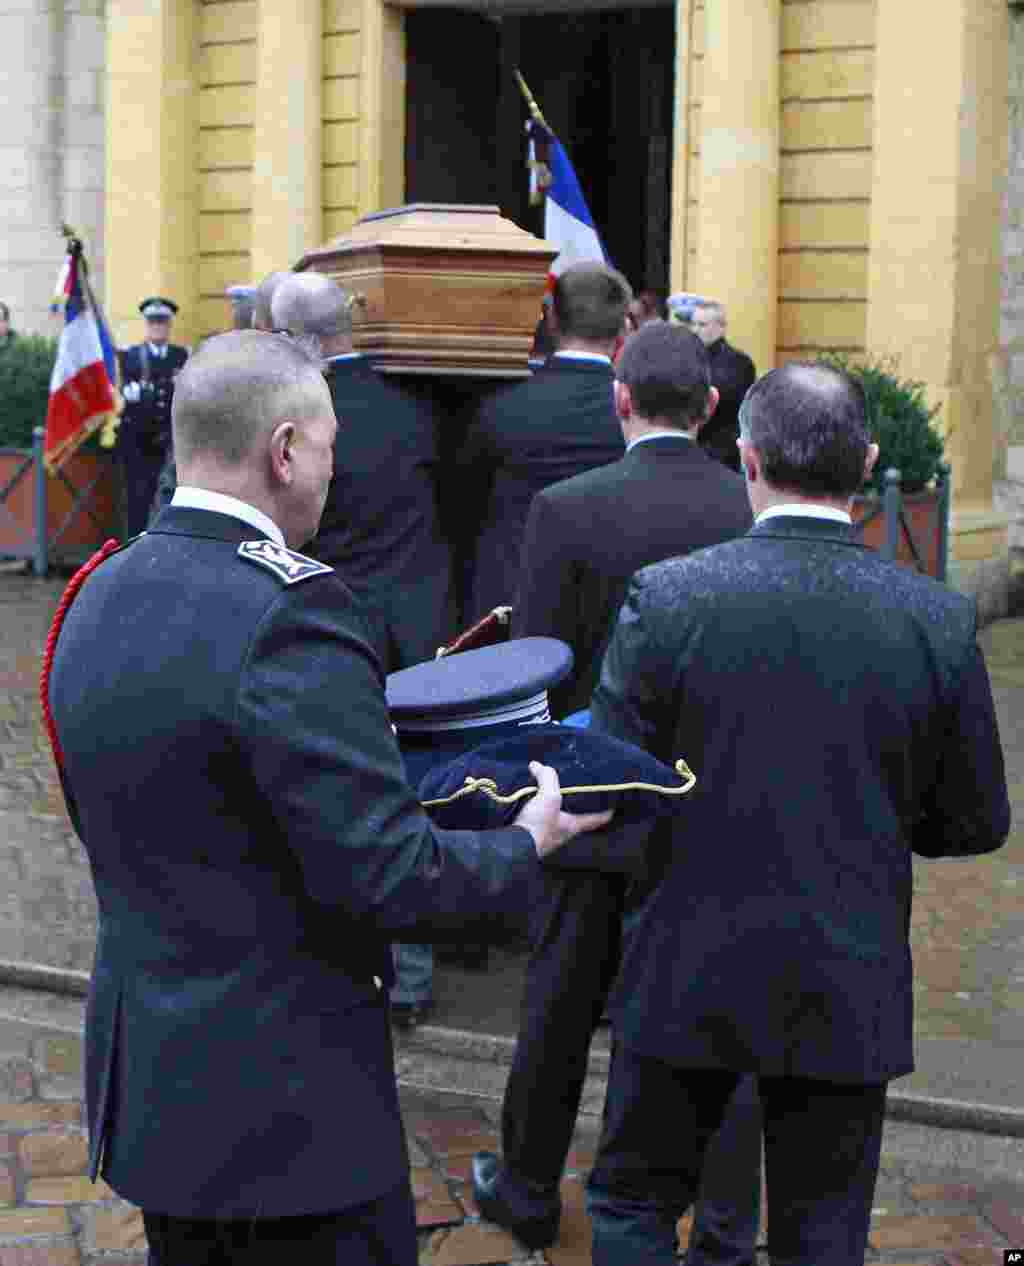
[[604, 81]]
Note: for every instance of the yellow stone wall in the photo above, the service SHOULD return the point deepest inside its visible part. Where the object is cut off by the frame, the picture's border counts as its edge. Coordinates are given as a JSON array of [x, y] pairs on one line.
[[827, 72], [224, 156], [341, 110]]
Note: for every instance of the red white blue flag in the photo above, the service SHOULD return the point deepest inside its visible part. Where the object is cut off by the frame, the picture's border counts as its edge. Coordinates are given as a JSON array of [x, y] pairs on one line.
[[568, 223], [82, 384]]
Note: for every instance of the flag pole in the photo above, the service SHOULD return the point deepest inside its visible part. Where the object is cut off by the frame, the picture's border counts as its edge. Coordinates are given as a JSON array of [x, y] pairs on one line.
[[531, 103]]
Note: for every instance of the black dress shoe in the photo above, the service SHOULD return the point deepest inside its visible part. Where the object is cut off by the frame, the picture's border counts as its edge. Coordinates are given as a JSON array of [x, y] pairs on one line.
[[410, 1015], [532, 1213]]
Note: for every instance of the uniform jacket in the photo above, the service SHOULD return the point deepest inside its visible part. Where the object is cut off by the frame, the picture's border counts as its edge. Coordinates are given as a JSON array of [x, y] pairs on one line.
[[586, 536], [230, 768], [380, 528], [147, 423], [837, 712], [732, 372], [555, 424]]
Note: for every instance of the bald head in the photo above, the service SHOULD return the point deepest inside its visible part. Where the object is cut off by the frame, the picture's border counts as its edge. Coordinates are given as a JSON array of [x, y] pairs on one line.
[[809, 424], [312, 305], [236, 387], [261, 315]]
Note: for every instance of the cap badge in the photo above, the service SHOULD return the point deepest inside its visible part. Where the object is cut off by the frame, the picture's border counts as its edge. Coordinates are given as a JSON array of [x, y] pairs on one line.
[[288, 565]]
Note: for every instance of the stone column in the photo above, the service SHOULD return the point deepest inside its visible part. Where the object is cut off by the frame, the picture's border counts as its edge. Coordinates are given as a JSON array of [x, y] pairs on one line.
[[31, 57], [382, 108], [287, 210], [934, 273], [152, 229], [738, 233]]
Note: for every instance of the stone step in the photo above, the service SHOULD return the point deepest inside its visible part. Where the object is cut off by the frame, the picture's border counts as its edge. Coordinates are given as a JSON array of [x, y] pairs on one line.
[[945, 1132]]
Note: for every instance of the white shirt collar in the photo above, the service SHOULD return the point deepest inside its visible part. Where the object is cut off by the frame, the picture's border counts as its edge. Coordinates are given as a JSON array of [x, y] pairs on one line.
[[658, 435], [203, 499], [159, 350], [593, 356], [803, 510]]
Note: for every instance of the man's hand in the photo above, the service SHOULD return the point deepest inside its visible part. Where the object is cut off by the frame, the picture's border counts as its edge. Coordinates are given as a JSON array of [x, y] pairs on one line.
[[543, 816]]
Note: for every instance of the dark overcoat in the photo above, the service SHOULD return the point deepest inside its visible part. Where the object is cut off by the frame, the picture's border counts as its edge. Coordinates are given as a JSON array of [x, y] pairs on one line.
[[837, 711], [586, 536], [380, 529], [230, 768], [555, 424], [733, 373]]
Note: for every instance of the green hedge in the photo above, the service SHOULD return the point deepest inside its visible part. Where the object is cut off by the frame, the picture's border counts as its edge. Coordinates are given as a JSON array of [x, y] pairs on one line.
[[901, 424], [25, 368]]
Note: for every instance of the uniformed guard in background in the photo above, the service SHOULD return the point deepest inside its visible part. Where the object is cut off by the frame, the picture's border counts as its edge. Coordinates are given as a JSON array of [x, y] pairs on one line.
[[148, 370]]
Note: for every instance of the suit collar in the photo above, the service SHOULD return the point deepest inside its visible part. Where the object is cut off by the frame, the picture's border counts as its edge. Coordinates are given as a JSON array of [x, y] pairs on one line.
[[795, 528], [671, 447], [185, 521], [569, 365]]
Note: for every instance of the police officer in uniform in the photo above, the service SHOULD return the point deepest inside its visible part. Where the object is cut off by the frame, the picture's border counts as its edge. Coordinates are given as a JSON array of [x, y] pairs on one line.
[[148, 370]]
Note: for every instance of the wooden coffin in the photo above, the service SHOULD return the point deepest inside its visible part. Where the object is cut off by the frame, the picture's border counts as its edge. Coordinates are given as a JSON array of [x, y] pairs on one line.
[[440, 288]]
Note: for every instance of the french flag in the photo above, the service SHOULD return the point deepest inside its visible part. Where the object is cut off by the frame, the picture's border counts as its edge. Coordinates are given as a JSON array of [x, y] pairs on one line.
[[82, 382], [568, 223]]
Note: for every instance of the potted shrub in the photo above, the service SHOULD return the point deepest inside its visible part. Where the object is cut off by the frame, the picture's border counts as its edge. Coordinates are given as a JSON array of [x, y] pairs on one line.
[[902, 425], [26, 364]]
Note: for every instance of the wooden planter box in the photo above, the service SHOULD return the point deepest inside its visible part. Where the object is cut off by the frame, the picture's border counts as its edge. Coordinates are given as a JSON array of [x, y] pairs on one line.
[[921, 528], [69, 541]]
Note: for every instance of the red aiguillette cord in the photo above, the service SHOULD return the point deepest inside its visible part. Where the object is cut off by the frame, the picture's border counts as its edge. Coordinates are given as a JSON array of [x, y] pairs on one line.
[[74, 584]]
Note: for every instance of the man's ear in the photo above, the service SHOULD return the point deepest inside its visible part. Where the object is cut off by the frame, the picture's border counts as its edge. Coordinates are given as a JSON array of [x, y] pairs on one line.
[[869, 461], [711, 404], [750, 462], [281, 462], [623, 400]]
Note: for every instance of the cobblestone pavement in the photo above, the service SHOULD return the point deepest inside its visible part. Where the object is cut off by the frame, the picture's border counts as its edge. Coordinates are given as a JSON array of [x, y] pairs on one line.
[[52, 1215], [968, 936]]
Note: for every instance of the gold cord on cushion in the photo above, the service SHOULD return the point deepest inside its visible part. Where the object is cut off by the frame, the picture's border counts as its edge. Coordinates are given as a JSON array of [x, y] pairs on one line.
[[490, 788]]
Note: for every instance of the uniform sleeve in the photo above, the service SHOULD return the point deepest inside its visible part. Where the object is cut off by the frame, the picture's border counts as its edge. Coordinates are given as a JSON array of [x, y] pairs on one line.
[[312, 718], [626, 701], [968, 810]]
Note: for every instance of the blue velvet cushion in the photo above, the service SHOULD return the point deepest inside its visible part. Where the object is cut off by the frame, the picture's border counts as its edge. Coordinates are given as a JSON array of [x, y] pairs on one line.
[[583, 758]]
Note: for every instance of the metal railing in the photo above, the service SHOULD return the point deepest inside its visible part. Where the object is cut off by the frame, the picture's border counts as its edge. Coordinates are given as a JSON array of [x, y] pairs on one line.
[[38, 545], [893, 507]]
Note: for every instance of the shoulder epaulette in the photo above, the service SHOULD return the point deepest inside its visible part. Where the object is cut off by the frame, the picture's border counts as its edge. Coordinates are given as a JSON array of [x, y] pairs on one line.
[[288, 565]]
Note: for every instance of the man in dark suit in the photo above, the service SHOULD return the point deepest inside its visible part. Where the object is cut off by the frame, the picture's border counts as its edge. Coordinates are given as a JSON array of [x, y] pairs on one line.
[[380, 528], [585, 537], [229, 765], [148, 371], [844, 719], [732, 372], [555, 424]]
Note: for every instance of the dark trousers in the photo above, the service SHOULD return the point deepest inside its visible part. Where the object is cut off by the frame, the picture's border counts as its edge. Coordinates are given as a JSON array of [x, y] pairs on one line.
[[379, 1233], [822, 1146], [140, 470], [575, 934], [727, 1214]]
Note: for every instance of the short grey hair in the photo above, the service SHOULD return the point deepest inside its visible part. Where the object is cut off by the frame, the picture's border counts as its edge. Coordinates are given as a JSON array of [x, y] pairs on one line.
[[261, 318], [312, 305], [716, 309], [238, 386]]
